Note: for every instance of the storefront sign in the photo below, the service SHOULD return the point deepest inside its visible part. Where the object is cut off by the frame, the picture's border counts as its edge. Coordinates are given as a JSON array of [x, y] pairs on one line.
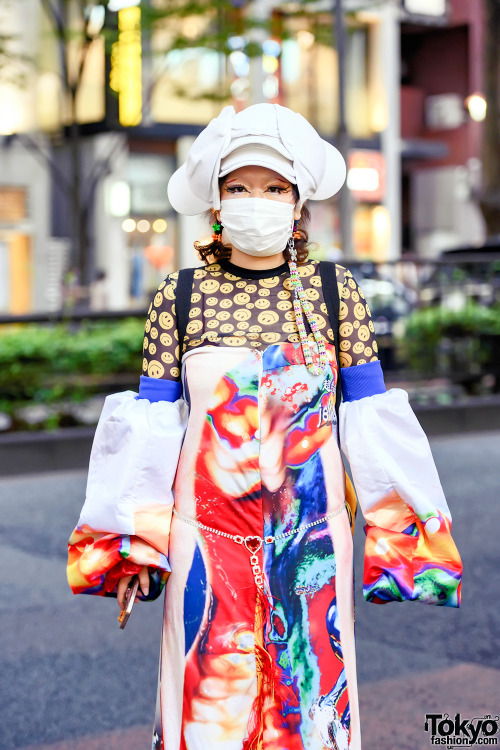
[[366, 176]]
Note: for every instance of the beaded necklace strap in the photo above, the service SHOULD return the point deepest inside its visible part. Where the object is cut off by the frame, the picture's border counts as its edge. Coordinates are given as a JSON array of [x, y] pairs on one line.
[[301, 303]]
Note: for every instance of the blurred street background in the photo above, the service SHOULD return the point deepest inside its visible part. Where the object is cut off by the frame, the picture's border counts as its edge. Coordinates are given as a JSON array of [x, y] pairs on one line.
[[100, 101]]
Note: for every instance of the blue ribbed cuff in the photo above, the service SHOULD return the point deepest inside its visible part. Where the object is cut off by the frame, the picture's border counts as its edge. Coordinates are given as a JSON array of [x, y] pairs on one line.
[[359, 381], [156, 389]]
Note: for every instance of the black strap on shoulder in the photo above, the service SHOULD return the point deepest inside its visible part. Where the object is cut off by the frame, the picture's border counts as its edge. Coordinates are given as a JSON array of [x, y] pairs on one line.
[[183, 303], [328, 273]]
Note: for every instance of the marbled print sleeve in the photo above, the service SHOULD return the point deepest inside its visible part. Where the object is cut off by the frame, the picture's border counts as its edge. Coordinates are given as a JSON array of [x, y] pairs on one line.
[[357, 343], [160, 348]]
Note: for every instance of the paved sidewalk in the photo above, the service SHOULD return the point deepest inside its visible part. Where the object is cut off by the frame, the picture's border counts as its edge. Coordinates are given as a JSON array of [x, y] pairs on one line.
[[392, 711]]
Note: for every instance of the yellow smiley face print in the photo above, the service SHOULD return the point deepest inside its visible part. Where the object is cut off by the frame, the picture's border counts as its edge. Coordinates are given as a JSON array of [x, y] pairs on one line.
[[268, 317], [153, 333], [230, 277], [209, 286], [358, 347], [359, 311], [345, 345], [166, 321], [211, 301], [262, 304], [315, 281], [194, 312], [175, 372], [289, 327], [168, 292], [345, 359], [269, 283], [284, 294], [363, 333], [255, 329], [226, 328], [145, 343], [241, 284], [223, 315], [251, 288], [165, 339], [342, 310], [264, 292], [284, 304], [144, 364], [195, 297], [194, 326], [167, 357], [243, 325], [158, 299], [155, 369], [290, 315], [368, 351], [226, 303], [305, 270], [242, 314], [312, 294], [147, 327], [200, 273], [242, 298], [209, 313], [270, 337], [212, 323], [294, 338], [320, 321], [346, 292], [233, 340], [226, 288]]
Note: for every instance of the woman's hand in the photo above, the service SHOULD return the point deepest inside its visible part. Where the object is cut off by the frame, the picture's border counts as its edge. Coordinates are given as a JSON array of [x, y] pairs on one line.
[[124, 582]]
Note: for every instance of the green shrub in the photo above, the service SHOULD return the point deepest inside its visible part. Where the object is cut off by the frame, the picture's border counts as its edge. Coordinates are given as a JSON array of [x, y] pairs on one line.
[[41, 363], [428, 328]]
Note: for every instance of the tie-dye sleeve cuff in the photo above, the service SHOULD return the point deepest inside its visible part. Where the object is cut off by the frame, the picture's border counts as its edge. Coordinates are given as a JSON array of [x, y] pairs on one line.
[[128, 505], [409, 551], [97, 561]]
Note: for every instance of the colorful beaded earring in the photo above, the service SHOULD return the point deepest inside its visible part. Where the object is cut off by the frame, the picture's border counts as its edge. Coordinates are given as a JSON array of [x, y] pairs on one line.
[[217, 234], [301, 303]]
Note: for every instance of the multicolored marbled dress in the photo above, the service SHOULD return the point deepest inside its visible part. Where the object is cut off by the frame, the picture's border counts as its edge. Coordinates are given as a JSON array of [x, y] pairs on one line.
[[258, 646]]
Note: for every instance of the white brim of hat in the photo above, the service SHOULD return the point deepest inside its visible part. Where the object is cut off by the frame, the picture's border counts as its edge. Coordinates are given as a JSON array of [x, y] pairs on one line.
[[181, 197], [259, 155], [335, 174], [184, 201]]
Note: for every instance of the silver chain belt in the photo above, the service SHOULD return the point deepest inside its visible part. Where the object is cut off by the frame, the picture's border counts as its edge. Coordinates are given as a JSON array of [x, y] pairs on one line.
[[253, 543]]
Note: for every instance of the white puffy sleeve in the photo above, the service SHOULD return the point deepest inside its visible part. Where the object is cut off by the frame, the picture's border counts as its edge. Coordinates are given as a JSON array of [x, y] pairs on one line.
[[409, 551], [125, 520]]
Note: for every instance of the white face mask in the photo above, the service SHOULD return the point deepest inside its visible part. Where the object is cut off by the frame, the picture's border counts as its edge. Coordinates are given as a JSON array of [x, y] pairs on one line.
[[257, 226]]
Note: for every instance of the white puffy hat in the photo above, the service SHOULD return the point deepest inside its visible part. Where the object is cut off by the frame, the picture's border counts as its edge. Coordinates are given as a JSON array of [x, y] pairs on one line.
[[267, 135]]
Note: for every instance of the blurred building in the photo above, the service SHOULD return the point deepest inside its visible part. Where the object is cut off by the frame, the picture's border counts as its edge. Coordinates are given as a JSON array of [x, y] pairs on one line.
[[143, 97]]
